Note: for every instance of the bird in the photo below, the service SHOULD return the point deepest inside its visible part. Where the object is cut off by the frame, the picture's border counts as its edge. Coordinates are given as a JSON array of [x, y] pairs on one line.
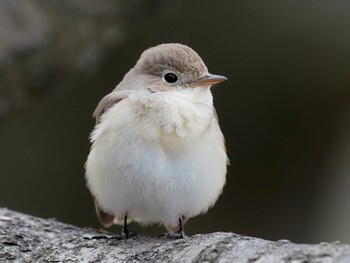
[[157, 153]]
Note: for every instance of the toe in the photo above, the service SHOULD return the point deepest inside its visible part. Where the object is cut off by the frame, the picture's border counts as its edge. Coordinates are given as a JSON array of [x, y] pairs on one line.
[[172, 235]]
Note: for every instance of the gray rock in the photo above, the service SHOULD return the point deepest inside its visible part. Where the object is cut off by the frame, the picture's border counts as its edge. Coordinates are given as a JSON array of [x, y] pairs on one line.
[[25, 238]]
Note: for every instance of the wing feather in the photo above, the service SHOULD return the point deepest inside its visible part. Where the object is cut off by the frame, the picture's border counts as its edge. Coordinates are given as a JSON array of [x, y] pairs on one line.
[[105, 219], [107, 102]]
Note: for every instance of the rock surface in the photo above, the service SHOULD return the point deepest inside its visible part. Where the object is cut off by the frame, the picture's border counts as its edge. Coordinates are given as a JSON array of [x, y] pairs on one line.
[[25, 238]]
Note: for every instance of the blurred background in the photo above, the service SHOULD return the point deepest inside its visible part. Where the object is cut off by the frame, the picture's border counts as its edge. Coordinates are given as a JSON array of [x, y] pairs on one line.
[[285, 110]]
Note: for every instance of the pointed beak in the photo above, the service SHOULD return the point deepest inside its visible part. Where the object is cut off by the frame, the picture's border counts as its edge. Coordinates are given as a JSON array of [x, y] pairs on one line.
[[211, 79]]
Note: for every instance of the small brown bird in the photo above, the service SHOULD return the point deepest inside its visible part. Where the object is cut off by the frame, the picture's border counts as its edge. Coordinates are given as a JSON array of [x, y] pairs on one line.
[[158, 154]]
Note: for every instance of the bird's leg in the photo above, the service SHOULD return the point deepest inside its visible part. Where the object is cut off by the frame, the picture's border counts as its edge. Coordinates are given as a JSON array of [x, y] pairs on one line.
[[175, 235], [181, 230], [126, 234]]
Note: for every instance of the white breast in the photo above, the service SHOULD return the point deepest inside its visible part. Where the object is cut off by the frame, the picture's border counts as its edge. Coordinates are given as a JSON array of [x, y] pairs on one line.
[[158, 157]]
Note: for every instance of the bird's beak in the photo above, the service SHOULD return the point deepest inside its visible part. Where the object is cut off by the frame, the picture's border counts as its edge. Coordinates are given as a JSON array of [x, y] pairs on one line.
[[211, 79]]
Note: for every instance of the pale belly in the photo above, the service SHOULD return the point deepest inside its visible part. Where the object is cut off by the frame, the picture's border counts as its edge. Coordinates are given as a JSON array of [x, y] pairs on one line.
[[156, 181]]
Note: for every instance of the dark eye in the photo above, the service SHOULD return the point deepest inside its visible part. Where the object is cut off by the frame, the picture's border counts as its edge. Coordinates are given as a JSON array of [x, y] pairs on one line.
[[170, 78]]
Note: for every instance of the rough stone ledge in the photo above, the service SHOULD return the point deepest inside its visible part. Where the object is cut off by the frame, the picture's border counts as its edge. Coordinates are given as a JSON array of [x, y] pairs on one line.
[[25, 238]]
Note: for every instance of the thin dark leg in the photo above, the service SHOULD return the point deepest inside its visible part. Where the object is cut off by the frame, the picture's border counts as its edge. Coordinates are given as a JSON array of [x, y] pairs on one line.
[[125, 225], [181, 230], [126, 234], [175, 235]]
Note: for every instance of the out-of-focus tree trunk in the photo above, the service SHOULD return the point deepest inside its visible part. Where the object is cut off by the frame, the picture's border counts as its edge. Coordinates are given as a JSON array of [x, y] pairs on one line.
[[49, 46]]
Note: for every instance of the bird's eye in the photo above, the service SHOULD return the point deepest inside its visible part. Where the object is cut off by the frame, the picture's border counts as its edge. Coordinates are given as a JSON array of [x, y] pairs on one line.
[[170, 78]]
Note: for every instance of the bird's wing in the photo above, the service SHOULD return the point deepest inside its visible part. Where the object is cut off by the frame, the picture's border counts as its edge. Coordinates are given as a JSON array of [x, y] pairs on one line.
[[105, 219], [108, 101]]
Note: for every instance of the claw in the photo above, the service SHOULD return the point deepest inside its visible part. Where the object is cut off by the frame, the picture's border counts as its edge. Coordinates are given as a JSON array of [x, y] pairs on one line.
[[113, 240], [174, 235], [128, 234]]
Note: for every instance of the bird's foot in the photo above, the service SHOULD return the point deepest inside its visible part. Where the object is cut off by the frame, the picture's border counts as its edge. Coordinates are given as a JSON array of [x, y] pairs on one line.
[[113, 240], [172, 235], [126, 234]]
